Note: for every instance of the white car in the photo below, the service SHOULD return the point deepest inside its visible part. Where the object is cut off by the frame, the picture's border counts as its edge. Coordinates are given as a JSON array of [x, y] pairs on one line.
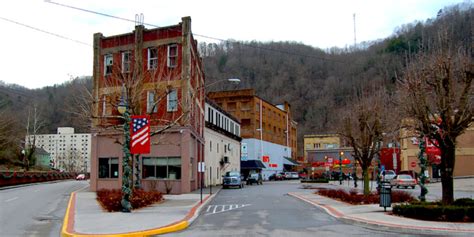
[[387, 175]]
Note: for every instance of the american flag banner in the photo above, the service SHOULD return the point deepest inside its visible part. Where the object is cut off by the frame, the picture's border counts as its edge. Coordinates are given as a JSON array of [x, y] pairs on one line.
[[140, 135]]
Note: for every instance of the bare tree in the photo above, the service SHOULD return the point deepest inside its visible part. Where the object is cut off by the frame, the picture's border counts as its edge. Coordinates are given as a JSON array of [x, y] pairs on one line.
[[33, 126], [437, 87], [363, 125]]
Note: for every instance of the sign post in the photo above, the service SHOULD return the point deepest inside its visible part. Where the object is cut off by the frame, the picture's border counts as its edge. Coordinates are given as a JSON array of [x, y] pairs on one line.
[[201, 169]]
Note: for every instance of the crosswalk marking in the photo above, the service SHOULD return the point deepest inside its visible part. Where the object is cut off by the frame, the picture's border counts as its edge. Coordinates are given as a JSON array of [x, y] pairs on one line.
[[215, 209]]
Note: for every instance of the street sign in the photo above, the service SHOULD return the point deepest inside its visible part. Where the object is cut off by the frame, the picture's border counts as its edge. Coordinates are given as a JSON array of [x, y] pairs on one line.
[[330, 160], [413, 164]]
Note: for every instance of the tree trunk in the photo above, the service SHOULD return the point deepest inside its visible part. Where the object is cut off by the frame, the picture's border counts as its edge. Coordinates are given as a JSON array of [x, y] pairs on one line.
[[447, 168], [366, 180]]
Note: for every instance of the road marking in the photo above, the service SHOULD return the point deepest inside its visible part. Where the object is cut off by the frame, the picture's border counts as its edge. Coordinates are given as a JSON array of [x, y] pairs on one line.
[[11, 199], [215, 209]]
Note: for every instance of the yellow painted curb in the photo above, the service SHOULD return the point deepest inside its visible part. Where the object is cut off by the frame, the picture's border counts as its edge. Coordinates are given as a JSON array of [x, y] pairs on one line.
[[167, 229]]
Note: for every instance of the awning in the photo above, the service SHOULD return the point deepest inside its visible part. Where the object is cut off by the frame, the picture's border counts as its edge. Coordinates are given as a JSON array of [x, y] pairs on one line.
[[289, 161], [251, 165]]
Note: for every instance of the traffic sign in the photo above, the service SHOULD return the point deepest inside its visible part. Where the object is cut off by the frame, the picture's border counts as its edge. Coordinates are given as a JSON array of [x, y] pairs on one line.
[[413, 164], [330, 160]]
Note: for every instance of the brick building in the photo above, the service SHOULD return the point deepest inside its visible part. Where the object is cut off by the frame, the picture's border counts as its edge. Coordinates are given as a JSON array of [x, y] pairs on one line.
[[268, 131], [157, 72]]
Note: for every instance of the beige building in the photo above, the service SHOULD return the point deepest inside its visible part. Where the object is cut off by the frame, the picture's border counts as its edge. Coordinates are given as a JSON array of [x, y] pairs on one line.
[[464, 165], [320, 142], [222, 149]]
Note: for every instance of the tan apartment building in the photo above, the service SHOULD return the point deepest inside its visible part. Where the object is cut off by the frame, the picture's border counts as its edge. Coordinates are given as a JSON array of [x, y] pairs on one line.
[[320, 142], [259, 118]]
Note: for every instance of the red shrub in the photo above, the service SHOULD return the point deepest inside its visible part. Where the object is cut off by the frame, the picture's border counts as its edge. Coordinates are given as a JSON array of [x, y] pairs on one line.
[[353, 197], [110, 199]]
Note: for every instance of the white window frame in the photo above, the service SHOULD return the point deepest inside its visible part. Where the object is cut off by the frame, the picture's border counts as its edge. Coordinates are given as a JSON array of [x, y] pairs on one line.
[[126, 61], [172, 101], [174, 56], [108, 63], [152, 63], [150, 102]]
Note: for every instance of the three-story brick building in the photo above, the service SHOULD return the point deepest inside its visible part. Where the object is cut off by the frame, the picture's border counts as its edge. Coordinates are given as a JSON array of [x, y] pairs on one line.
[[155, 72]]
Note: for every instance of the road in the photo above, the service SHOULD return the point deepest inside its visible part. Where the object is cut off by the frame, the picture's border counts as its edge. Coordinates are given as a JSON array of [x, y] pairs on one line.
[[36, 210], [267, 210]]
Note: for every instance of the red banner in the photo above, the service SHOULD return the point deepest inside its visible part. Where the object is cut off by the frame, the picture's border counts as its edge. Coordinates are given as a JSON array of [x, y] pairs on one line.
[[140, 134]]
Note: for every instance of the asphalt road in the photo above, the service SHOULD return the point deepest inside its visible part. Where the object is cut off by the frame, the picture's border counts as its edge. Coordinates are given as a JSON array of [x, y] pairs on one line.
[[35, 210], [267, 210]]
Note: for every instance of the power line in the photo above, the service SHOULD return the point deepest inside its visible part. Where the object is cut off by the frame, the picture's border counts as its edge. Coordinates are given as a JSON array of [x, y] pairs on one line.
[[44, 31], [204, 36]]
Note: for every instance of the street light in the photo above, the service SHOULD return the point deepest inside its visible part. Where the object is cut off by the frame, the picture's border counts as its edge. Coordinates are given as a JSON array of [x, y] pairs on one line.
[[340, 167], [126, 190]]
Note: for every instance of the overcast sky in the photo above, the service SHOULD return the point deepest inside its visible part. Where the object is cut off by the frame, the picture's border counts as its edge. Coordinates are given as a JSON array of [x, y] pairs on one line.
[[34, 59]]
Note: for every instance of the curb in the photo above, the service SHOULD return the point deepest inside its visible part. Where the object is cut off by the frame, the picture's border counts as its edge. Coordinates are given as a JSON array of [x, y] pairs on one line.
[[67, 230], [377, 224]]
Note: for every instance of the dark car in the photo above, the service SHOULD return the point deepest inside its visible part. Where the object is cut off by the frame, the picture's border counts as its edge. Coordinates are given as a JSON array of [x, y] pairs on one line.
[[254, 178], [232, 179], [275, 176]]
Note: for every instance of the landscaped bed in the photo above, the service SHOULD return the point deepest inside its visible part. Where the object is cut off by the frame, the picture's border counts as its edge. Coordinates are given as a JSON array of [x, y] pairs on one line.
[[354, 197], [462, 210], [110, 199]]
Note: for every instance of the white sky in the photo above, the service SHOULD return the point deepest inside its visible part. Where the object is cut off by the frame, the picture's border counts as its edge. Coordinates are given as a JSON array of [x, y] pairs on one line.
[[34, 59]]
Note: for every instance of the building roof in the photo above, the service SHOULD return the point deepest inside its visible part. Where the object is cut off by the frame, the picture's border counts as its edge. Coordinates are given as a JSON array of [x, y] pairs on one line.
[[216, 106]]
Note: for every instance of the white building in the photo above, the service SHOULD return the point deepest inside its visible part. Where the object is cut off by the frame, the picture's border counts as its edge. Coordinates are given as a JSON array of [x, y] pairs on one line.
[[69, 151], [222, 137]]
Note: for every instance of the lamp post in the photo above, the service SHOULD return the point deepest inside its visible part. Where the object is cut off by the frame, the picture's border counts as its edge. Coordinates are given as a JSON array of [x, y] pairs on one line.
[[355, 173], [340, 167], [126, 170]]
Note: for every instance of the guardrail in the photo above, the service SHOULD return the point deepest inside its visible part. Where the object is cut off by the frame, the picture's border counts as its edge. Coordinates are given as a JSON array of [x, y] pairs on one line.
[[10, 178]]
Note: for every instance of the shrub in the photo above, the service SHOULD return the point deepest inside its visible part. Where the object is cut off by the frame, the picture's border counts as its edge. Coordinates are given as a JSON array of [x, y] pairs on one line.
[[435, 212], [110, 199], [354, 197], [466, 202]]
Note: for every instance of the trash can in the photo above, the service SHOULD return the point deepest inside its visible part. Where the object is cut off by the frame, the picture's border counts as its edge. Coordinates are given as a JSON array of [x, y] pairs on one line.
[[385, 195]]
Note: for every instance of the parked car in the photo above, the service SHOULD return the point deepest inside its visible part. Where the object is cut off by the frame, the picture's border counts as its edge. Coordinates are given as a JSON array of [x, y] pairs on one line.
[[275, 176], [387, 175], [403, 180], [232, 179], [254, 178], [81, 177], [291, 175]]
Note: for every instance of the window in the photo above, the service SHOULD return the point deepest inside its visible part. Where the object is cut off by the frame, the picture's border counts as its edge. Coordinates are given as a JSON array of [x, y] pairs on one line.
[[210, 145], [152, 58], [126, 59], [108, 168], [108, 63], [162, 167], [172, 101], [172, 55], [150, 103]]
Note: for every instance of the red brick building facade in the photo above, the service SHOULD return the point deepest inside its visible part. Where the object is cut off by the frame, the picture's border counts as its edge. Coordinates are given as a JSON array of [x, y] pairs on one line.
[[157, 72]]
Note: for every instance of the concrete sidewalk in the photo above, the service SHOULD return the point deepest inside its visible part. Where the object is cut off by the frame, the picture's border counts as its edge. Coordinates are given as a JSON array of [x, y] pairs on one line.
[[85, 217], [374, 216]]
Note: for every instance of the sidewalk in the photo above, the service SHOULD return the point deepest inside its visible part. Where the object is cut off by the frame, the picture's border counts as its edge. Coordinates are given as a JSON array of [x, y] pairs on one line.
[[85, 217], [373, 216]]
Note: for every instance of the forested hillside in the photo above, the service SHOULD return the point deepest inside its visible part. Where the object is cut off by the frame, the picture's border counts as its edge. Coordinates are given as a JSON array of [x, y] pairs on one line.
[[319, 84]]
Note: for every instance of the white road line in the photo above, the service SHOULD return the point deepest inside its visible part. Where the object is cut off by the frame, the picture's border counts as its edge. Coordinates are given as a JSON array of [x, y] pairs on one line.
[[224, 208], [11, 199]]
